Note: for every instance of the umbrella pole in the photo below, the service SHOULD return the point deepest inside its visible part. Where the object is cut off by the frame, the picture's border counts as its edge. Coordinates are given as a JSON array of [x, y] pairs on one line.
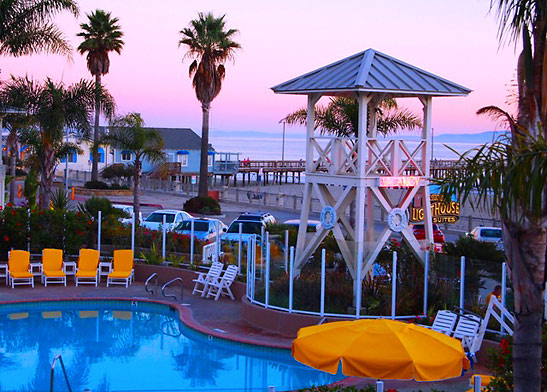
[[379, 386]]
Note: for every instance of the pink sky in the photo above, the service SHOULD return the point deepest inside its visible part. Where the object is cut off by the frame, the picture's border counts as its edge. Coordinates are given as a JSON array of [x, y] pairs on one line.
[[283, 39]]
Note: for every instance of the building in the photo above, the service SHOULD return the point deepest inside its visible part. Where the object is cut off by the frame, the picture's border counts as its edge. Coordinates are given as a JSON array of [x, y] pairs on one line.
[[182, 147]]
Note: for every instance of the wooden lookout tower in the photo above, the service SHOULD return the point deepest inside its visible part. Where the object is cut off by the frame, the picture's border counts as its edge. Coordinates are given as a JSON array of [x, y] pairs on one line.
[[362, 168]]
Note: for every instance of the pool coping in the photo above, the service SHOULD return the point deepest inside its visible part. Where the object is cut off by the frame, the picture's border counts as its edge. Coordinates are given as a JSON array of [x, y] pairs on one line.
[[186, 316]]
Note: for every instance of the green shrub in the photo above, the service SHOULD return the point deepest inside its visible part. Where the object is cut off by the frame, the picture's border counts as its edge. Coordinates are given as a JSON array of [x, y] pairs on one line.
[[118, 172], [96, 185], [202, 205], [118, 187]]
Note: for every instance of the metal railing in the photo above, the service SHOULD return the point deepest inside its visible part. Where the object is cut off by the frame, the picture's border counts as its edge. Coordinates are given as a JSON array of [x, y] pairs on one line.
[[173, 295], [59, 358], [154, 277]]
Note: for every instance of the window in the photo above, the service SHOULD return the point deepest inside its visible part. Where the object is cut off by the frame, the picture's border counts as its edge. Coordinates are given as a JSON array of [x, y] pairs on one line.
[[72, 158], [210, 160], [126, 155], [100, 151], [182, 159], [157, 217]]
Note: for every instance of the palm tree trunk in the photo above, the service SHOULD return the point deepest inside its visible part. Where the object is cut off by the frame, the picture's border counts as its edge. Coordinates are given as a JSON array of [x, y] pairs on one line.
[[203, 167], [46, 180], [136, 185], [525, 251], [12, 146], [95, 147]]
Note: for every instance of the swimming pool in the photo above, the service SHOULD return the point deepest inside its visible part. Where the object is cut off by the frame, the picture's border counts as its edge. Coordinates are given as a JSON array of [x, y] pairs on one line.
[[139, 346]]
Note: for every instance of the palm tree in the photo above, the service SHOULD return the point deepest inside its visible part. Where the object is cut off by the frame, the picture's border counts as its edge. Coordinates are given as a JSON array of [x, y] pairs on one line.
[[17, 93], [26, 26], [101, 35], [128, 133], [510, 176], [53, 107], [210, 45], [340, 117]]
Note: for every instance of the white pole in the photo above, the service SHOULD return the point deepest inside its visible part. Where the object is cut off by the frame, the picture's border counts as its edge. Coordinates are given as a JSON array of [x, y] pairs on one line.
[[426, 281], [323, 263], [477, 381], [394, 286], [286, 249], [291, 268], [462, 283], [133, 231], [267, 294], [359, 286], [267, 241], [28, 230], [253, 278], [218, 239], [99, 231], [163, 238], [239, 248], [503, 292], [379, 386], [249, 288], [192, 242]]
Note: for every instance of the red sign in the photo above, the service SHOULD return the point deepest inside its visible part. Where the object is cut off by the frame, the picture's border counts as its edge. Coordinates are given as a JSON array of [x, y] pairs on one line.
[[399, 182]]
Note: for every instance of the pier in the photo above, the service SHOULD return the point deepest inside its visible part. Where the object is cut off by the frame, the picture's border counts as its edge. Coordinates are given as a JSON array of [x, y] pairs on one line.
[[290, 172]]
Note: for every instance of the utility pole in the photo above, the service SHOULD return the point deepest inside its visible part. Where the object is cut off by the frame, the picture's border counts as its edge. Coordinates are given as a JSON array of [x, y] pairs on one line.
[[283, 121]]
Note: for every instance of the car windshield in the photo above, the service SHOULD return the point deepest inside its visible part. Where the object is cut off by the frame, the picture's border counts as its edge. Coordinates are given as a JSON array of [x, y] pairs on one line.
[[491, 233], [157, 217], [246, 227], [255, 218], [198, 226]]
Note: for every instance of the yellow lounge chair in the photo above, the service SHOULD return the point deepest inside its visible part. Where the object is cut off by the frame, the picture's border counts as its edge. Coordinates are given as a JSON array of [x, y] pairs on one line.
[[52, 267], [123, 268], [88, 264], [19, 268]]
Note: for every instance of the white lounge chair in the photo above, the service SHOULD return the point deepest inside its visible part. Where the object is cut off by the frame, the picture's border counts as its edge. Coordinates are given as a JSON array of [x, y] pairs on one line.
[[444, 322], [221, 286], [204, 279], [467, 330]]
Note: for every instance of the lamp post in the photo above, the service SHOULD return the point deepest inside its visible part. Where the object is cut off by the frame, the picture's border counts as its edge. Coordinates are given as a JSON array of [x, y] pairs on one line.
[[66, 164], [283, 121]]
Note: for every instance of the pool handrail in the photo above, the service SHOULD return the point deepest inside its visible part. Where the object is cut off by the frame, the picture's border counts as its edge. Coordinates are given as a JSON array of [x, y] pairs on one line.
[[172, 295], [60, 359], [151, 290]]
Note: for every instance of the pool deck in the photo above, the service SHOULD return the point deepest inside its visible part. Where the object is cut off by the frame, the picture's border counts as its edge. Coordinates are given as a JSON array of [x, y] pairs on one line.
[[220, 318]]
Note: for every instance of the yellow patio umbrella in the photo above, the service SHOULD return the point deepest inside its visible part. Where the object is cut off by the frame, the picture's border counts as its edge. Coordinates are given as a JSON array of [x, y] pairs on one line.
[[381, 349]]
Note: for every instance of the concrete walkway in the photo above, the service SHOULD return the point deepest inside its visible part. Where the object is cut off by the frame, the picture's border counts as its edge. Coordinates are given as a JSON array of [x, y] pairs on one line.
[[221, 318]]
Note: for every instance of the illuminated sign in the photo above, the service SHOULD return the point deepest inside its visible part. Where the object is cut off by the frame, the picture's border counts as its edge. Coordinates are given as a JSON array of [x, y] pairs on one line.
[[399, 182], [441, 211]]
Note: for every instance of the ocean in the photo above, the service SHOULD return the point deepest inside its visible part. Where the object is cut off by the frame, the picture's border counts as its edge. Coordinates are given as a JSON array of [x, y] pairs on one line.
[[268, 146]]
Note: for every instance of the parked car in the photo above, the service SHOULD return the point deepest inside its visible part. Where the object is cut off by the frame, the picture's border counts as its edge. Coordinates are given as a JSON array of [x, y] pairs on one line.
[[128, 210], [173, 218], [248, 228], [205, 229], [265, 217], [419, 233], [488, 234], [313, 225]]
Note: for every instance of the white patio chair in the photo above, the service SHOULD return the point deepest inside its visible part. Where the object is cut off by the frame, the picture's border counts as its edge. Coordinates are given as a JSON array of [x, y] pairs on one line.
[[444, 322], [221, 286], [467, 330], [204, 279]]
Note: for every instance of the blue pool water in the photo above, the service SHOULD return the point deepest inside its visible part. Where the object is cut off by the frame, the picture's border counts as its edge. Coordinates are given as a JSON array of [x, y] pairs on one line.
[[119, 346]]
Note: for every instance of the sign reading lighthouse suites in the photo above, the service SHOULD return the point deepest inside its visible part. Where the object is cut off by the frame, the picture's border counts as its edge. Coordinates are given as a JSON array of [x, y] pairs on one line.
[[441, 211]]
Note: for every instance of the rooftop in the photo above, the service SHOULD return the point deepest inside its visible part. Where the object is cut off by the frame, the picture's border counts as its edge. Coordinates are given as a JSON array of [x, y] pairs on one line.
[[371, 71]]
